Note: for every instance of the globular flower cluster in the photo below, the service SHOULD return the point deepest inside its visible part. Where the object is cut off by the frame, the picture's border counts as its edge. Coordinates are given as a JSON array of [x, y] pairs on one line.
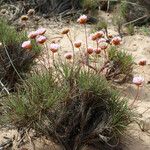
[[37, 35], [54, 47], [77, 44], [138, 80], [142, 62], [116, 41], [27, 45], [96, 36], [82, 19], [90, 50], [24, 17], [68, 55], [41, 39], [65, 31]]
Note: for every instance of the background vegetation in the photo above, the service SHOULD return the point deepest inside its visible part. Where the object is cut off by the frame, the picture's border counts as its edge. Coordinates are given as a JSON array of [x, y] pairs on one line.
[[15, 62]]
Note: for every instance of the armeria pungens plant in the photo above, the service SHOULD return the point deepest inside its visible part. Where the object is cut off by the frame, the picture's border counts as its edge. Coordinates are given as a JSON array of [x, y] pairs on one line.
[[71, 102]]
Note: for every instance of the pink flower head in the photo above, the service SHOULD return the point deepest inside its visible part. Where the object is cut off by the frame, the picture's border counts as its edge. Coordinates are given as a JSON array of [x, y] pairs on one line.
[[138, 80], [32, 35], [97, 50], [68, 55], [142, 62], [54, 47], [116, 40], [40, 31], [103, 45], [101, 40], [99, 34], [93, 37], [77, 44], [41, 39], [65, 31], [90, 50], [82, 19], [27, 45]]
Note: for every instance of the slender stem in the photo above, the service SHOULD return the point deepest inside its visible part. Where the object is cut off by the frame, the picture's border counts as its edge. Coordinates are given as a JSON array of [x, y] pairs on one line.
[[97, 44], [86, 36], [72, 46], [53, 58], [48, 56], [12, 62], [80, 51], [95, 59], [46, 49], [106, 32], [105, 65], [106, 56], [71, 43], [86, 41], [136, 96]]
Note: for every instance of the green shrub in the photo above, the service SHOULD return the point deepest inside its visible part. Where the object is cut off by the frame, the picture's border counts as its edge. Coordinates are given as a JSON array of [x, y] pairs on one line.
[[121, 63], [99, 26], [14, 60], [145, 30], [74, 109], [123, 8], [130, 29], [36, 96]]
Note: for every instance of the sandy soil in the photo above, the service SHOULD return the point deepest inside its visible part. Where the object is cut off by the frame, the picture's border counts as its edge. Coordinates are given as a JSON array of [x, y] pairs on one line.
[[139, 46]]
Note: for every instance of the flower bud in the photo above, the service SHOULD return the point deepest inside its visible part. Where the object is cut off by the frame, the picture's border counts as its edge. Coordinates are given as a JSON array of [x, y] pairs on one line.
[[68, 55], [77, 44], [65, 31], [41, 39], [82, 19], [54, 47], [90, 50], [27, 45]]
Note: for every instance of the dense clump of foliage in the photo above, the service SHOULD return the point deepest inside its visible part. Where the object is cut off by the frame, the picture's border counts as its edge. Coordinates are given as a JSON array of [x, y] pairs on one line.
[[135, 11], [121, 63], [78, 109]]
